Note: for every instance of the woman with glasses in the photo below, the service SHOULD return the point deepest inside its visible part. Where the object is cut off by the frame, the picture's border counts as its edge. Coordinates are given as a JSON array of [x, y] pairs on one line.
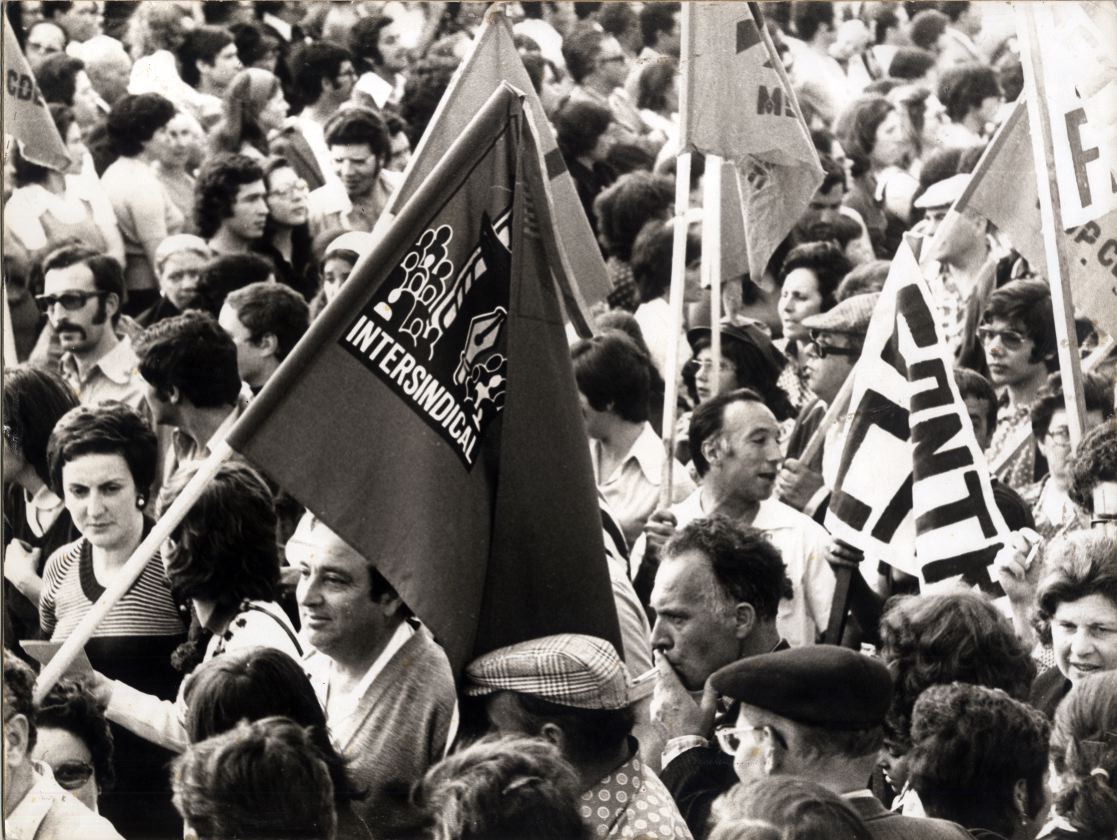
[[287, 235], [809, 281], [102, 463], [1052, 507], [50, 208], [74, 740]]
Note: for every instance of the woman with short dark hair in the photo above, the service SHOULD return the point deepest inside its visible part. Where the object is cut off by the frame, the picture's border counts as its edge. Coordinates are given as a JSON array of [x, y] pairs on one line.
[[145, 211], [101, 461], [582, 130], [74, 740]]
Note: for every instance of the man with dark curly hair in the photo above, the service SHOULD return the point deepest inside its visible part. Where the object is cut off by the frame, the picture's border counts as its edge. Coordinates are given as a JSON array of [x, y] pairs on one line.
[[230, 203]]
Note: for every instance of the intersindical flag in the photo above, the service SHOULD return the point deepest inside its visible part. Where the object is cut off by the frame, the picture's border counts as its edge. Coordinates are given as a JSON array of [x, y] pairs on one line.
[[430, 415], [913, 487], [493, 58], [738, 103], [26, 118]]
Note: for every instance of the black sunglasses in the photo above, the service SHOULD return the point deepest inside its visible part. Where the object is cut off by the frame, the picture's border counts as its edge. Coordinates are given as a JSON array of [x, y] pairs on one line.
[[71, 301], [821, 351], [71, 775]]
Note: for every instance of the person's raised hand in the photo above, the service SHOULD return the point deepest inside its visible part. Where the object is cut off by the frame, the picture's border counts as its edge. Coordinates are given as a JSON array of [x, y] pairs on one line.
[[674, 709], [797, 483], [659, 528], [1018, 566]]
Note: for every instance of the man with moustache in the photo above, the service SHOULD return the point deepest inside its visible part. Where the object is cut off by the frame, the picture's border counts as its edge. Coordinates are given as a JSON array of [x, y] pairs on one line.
[[82, 294], [230, 203]]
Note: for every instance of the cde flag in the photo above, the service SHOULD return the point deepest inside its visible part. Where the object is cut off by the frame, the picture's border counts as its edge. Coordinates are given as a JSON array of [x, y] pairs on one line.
[[26, 117], [493, 58], [738, 104], [430, 415], [912, 485]]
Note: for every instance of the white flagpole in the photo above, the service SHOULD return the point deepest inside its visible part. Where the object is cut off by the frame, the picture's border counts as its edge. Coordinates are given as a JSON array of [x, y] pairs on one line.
[[1058, 276], [675, 301], [711, 257]]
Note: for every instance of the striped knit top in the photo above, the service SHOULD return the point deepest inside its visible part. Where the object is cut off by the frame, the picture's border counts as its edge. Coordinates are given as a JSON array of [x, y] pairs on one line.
[[70, 588]]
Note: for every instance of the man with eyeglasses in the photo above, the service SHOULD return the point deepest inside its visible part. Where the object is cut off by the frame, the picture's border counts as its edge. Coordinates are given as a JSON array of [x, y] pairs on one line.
[[818, 714], [35, 806], [44, 39], [1018, 337], [835, 346], [82, 295], [599, 68]]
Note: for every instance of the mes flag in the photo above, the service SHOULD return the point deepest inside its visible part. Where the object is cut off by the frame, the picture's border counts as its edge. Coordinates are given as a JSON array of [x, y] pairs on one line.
[[912, 486], [430, 415]]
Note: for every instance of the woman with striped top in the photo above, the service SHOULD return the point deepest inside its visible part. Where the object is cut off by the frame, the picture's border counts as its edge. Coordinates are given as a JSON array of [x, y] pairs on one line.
[[223, 557], [101, 461]]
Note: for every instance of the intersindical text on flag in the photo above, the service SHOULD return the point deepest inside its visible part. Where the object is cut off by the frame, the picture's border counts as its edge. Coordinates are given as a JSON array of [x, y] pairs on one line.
[[434, 332]]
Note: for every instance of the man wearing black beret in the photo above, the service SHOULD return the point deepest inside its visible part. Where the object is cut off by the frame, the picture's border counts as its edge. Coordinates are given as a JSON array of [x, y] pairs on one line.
[[817, 713]]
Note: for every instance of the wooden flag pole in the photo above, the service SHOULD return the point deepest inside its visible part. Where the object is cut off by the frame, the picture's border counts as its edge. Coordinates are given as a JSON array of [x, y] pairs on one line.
[[711, 257], [130, 572], [1050, 209], [675, 301]]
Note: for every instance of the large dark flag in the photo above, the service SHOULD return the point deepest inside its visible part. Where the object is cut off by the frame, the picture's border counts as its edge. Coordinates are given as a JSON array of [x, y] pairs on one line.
[[26, 118], [430, 416]]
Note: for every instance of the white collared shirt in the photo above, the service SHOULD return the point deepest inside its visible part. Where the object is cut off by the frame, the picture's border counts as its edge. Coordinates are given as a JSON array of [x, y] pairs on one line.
[[42, 510], [114, 376]]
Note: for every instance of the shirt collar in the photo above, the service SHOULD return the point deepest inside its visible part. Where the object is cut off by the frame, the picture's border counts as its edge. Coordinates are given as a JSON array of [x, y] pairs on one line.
[[647, 451], [118, 365], [24, 821], [44, 499], [863, 793]]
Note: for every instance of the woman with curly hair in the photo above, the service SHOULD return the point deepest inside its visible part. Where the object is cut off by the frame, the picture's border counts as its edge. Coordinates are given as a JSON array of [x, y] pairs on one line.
[[1076, 610], [145, 212], [74, 740], [502, 787], [1084, 762], [979, 758], [223, 558], [935, 639]]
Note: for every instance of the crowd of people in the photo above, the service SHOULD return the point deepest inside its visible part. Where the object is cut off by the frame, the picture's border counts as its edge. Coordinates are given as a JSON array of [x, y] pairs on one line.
[[228, 163]]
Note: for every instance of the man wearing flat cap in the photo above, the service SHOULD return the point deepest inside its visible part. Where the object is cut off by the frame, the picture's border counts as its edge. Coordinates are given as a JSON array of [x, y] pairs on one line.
[[818, 714], [837, 336], [573, 690]]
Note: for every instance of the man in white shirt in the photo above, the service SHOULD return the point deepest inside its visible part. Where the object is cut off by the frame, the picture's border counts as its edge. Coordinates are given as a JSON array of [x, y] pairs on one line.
[[323, 74], [377, 41]]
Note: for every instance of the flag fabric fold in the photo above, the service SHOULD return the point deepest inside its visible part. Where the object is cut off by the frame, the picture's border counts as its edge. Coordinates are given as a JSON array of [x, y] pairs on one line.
[[912, 484], [26, 117], [493, 58], [738, 103], [1003, 190], [430, 415]]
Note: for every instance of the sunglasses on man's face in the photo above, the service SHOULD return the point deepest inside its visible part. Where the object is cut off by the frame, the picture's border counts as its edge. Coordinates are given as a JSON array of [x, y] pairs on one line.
[[71, 775], [1010, 340], [71, 301], [819, 350]]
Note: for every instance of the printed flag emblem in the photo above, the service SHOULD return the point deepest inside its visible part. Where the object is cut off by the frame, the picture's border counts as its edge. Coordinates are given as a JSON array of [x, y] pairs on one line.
[[435, 333]]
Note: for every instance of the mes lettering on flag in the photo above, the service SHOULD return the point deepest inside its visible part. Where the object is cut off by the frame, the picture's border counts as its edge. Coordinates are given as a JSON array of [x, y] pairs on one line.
[[912, 485]]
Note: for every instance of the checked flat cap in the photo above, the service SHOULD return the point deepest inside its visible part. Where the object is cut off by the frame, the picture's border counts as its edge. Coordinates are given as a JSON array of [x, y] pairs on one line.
[[822, 685], [851, 316], [584, 672]]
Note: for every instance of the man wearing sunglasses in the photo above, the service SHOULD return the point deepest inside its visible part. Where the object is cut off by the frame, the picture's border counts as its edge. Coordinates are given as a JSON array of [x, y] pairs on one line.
[[836, 337], [35, 806], [82, 294], [1018, 336], [817, 713]]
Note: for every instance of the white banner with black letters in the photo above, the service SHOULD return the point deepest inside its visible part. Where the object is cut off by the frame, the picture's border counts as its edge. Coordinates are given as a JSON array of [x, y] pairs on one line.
[[912, 486]]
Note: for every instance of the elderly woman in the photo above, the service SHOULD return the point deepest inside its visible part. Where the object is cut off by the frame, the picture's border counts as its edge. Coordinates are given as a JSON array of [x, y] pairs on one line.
[[933, 639], [1083, 751], [784, 808], [145, 211], [256, 683], [1077, 611], [102, 463], [50, 208], [979, 758], [36, 522], [222, 557], [179, 261], [74, 740], [809, 281], [873, 135], [253, 107], [627, 453]]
